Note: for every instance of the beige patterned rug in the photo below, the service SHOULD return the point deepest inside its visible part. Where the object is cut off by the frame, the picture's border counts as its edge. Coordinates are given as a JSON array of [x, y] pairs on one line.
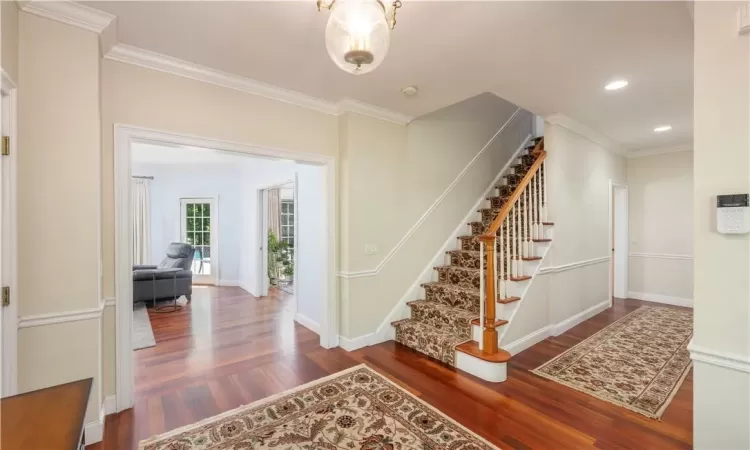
[[638, 362], [356, 409]]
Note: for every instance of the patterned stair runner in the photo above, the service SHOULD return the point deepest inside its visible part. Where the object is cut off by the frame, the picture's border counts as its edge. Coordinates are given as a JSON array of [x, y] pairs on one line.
[[442, 320]]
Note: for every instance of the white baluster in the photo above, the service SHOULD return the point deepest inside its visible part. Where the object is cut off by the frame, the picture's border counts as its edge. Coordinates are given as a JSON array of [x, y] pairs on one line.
[[497, 285], [519, 266], [544, 191], [500, 266], [527, 224], [481, 289], [534, 223], [507, 254], [540, 227], [513, 244]]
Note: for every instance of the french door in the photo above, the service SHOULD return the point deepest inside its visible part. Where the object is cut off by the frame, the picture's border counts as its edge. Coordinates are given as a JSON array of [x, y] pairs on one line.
[[198, 227]]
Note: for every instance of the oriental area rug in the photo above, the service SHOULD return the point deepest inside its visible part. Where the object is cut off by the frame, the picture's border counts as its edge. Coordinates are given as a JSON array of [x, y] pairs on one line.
[[356, 409], [638, 362]]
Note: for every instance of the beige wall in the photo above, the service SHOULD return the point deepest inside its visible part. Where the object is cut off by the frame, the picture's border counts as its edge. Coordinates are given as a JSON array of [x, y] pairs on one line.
[[392, 175], [9, 38], [722, 262], [578, 191], [58, 189], [660, 197]]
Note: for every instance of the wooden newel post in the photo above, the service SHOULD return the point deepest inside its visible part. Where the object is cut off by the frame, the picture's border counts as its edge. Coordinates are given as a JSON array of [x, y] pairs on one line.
[[489, 335]]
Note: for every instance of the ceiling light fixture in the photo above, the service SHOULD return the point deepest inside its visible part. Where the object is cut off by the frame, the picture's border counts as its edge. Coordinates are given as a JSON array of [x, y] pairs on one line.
[[615, 85], [662, 128], [358, 32]]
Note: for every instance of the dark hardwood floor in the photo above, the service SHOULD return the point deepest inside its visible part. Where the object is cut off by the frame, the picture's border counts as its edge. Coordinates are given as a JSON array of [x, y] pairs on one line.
[[228, 348]]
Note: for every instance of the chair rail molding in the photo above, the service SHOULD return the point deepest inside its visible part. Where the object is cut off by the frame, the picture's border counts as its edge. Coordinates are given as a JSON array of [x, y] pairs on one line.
[[70, 13], [129, 54], [431, 208], [573, 265], [38, 320], [660, 256], [721, 359]]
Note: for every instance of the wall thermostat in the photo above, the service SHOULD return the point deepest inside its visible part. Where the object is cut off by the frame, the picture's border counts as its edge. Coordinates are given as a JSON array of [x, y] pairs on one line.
[[733, 213]]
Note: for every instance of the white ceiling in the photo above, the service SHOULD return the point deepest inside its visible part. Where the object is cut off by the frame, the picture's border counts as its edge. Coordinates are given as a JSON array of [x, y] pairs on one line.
[[548, 57]]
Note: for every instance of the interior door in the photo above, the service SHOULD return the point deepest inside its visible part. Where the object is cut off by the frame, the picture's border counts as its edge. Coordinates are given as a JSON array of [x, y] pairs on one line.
[[198, 228]]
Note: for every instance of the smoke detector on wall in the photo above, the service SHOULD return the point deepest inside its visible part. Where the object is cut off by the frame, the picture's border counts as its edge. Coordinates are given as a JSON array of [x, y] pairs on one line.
[[409, 91]]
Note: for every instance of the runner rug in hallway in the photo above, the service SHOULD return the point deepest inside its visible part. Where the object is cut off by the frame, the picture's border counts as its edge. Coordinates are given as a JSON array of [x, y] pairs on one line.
[[638, 362], [356, 409]]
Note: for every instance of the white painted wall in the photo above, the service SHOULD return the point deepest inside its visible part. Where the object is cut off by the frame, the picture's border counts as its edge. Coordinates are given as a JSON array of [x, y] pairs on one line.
[[661, 227], [579, 172], [175, 181], [721, 165], [311, 213]]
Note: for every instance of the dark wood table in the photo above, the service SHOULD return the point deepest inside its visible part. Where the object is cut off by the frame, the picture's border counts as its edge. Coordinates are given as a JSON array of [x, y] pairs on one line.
[[49, 419]]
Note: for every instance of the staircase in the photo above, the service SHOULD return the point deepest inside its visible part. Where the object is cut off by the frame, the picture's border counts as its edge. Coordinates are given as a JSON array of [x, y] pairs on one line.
[[476, 294]]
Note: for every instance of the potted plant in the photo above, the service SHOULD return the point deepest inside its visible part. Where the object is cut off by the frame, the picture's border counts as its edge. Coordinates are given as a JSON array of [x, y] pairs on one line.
[[280, 263]]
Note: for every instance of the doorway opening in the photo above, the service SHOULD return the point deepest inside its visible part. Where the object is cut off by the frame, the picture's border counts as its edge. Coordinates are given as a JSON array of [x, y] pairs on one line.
[[619, 241], [197, 229]]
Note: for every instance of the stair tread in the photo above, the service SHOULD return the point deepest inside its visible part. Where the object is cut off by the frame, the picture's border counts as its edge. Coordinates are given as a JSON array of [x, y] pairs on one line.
[[507, 300], [449, 286], [523, 278], [431, 304], [465, 269], [532, 258], [542, 240], [498, 322], [472, 348]]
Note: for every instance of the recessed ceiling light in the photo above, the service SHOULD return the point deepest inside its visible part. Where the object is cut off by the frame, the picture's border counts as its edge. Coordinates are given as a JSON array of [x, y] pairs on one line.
[[662, 128], [615, 85]]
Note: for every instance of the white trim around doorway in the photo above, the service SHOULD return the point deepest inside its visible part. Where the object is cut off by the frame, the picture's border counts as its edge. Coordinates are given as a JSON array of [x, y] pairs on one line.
[[9, 363], [620, 260], [124, 136]]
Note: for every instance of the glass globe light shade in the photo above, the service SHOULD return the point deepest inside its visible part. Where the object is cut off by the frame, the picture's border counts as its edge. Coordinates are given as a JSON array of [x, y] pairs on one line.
[[357, 35]]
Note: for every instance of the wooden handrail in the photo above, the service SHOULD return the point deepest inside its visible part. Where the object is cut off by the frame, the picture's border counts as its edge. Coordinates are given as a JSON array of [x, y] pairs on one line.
[[489, 333], [489, 235]]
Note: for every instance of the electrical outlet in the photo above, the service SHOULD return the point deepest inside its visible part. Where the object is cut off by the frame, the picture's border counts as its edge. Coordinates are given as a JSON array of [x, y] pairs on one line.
[[371, 249]]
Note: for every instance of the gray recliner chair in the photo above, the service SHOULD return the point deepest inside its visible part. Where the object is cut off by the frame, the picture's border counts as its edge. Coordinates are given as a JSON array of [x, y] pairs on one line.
[[179, 256]]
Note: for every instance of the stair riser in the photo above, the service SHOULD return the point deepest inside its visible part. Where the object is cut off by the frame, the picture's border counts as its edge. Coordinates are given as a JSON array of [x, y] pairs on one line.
[[464, 278], [425, 344], [457, 299], [471, 260], [439, 320]]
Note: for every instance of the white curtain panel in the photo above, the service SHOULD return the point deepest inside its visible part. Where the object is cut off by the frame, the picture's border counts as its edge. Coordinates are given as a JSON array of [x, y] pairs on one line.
[[141, 222], [274, 211]]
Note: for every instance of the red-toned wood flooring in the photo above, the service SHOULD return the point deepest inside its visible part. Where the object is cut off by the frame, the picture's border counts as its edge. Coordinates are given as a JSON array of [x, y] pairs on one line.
[[228, 348]]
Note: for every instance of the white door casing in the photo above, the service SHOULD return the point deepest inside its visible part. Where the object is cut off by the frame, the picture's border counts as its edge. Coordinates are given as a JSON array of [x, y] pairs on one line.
[[618, 237], [8, 241]]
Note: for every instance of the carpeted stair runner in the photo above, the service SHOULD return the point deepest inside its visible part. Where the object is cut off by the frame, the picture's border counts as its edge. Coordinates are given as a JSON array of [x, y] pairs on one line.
[[443, 319]]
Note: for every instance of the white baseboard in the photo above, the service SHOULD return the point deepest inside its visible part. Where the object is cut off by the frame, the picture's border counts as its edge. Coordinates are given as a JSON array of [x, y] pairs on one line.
[[351, 344], [110, 404], [94, 431], [658, 298], [528, 341], [307, 322], [228, 283], [556, 329]]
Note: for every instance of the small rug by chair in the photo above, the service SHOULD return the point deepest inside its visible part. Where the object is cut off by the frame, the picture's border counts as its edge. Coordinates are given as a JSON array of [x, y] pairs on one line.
[[638, 362], [143, 334], [353, 409]]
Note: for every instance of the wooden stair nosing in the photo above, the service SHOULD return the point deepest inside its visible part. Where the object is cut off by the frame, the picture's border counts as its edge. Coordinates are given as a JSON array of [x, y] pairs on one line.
[[541, 240], [507, 300], [531, 258], [548, 223], [521, 278], [498, 322], [472, 348]]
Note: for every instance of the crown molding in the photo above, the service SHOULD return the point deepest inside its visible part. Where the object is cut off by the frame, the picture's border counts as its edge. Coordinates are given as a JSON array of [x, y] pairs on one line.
[[70, 13], [129, 54], [584, 131], [659, 151], [355, 106]]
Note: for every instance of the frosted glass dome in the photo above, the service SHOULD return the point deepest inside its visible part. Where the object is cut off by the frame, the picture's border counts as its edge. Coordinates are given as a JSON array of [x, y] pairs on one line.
[[357, 35]]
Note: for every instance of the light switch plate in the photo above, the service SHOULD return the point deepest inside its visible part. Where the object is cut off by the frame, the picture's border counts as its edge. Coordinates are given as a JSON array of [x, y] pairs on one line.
[[371, 249]]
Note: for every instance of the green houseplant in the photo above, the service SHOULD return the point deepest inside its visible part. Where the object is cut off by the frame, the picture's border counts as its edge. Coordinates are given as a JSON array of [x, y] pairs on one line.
[[279, 258]]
